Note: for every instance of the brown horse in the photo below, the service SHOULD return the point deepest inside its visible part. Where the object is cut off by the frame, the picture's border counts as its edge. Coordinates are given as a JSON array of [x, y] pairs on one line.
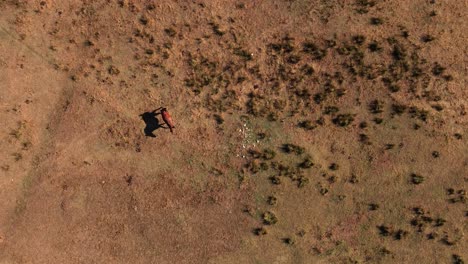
[[167, 118]]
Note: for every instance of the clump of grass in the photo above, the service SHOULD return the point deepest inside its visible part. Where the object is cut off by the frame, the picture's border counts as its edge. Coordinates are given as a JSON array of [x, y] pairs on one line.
[[456, 259], [289, 241], [416, 179], [374, 46], [307, 163], [398, 109], [378, 120], [312, 49], [291, 148], [88, 43], [393, 88], [376, 106], [219, 119], [460, 195], [329, 110], [302, 181], [16, 133], [359, 39], [343, 120], [418, 113], [285, 47], [446, 241], [332, 179], [353, 179], [268, 154], [364, 5], [307, 125], [170, 32], [307, 69], [26, 145], [261, 135], [275, 180], [373, 206], [363, 138], [398, 53], [438, 107], [323, 190], [243, 54], [427, 38], [389, 146], [113, 70], [253, 166], [439, 222], [272, 200], [333, 166], [17, 156], [384, 230], [144, 20], [432, 235], [320, 121], [448, 77], [293, 59], [254, 153], [217, 29], [375, 21], [400, 234], [438, 70], [387, 231], [260, 231], [319, 98], [269, 218]]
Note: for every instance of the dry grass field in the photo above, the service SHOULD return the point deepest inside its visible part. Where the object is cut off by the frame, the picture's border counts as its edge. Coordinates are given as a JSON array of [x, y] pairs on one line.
[[306, 131]]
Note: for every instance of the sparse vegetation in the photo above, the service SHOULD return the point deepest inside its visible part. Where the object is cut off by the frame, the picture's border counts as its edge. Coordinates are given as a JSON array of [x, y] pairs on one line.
[[427, 38], [268, 154], [307, 163], [269, 218], [376, 21], [272, 200], [307, 125], [260, 231], [17, 156], [376, 106], [302, 121], [291, 148], [343, 120], [170, 32], [289, 241], [416, 179]]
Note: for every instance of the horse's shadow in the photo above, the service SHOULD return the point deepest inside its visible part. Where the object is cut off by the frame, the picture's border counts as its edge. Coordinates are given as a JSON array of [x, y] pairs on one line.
[[152, 123]]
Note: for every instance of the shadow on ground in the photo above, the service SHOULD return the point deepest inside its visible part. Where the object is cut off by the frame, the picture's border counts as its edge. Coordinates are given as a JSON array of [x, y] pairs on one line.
[[152, 123]]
